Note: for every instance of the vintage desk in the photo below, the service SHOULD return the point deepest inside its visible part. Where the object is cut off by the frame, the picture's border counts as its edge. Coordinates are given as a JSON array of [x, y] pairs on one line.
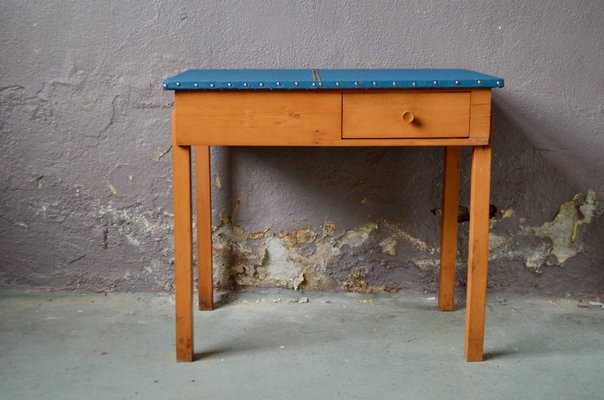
[[321, 107]]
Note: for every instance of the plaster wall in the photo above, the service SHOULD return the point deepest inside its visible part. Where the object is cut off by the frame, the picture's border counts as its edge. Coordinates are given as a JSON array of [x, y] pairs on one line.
[[85, 178]]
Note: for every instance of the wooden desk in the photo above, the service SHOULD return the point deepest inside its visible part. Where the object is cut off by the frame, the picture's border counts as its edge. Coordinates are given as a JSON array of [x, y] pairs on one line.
[[435, 107]]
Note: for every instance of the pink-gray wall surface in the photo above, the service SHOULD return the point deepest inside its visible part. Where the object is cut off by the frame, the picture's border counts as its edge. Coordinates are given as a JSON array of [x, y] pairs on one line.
[[85, 167]]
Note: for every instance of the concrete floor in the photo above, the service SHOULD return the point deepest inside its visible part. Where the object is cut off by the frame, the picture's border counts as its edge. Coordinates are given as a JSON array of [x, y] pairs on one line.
[[267, 345]]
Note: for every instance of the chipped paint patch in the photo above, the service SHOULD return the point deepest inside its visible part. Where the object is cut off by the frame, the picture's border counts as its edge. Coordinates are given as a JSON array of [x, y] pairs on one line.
[[305, 235], [280, 270], [498, 245], [112, 188], [562, 230], [507, 213], [426, 264], [258, 235], [136, 224], [398, 232], [132, 240], [388, 246], [357, 281], [589, 208], [536, 258], [356, 237], [329, 229]]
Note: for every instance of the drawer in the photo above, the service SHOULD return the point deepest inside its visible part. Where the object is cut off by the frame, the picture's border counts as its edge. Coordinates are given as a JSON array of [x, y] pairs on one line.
[[412, 114], [257, 118]]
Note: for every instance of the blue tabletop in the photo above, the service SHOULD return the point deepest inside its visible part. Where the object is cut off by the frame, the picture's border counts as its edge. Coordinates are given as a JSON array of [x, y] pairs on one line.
[[317, 79]]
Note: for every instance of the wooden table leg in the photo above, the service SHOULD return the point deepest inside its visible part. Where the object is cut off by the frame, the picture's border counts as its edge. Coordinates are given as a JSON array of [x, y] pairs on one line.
[[203, 203], [478, 254], [183, 246], [448, 242]]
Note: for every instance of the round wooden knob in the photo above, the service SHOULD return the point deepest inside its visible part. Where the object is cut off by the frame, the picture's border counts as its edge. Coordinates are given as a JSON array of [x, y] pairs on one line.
[[408, 116]]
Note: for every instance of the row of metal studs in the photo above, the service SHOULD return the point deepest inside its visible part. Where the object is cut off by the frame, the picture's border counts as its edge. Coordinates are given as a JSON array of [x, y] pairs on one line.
[[320, 84]]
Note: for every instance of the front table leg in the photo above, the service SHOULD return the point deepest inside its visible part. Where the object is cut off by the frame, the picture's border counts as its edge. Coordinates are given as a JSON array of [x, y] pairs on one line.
[[478, 254], [183, 256]]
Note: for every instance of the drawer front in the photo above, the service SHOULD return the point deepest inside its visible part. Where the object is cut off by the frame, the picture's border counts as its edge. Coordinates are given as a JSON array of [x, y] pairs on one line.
[[257, 118], [410, 114]]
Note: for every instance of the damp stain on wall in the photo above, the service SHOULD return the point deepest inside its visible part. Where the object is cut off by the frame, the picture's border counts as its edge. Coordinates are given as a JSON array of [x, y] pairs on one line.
[[320, 259]]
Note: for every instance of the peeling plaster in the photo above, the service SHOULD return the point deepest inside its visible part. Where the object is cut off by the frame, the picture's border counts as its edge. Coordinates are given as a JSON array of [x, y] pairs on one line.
[[507, 213], [136, 224], [111, 188], [329, 228], [398, 232], [427, 264], [559, 238], [537, 256], [388, 246], [562, 231], [356, 237], [300, 258], [280, 268]]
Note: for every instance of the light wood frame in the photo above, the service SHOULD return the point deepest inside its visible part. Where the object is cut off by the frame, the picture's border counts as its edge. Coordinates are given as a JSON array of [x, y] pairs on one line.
[[305, 118]]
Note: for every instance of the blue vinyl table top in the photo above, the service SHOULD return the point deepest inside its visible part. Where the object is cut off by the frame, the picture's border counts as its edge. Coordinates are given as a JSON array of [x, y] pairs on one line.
[[317, 79]]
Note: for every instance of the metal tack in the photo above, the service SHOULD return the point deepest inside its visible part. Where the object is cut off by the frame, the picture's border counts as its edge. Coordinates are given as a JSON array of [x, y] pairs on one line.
[[229, 84], [212, 85], [337, 84], [457, 82], [413, 84], [356, 83], [393, 83], [261, 84], [196, 84], [374, 83], [479, 82], [435, 82], [296, 84], [320, 83], [278, 83], [245, 84], [165, 85], [177, 83], [498, 83]]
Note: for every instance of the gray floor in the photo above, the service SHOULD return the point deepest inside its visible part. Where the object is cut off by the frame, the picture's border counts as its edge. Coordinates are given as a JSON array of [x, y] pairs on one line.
[[267, 345]]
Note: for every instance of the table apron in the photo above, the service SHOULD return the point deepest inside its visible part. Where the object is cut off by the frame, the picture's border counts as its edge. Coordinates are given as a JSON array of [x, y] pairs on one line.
[[330, 119]]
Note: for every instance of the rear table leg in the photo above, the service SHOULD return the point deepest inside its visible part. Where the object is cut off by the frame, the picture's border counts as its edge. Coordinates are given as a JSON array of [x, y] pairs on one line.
[[448, 242], [205, 285]]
